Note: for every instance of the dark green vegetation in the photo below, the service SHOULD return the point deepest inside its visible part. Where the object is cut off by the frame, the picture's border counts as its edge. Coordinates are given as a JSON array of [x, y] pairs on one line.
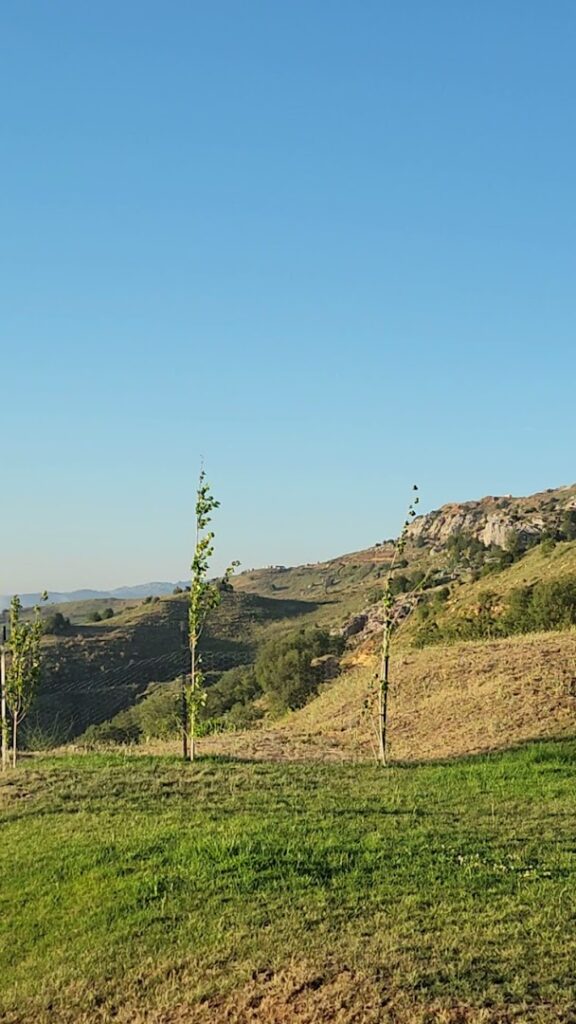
[[291, 668], [538, 607], [56, 624], [132, 882]]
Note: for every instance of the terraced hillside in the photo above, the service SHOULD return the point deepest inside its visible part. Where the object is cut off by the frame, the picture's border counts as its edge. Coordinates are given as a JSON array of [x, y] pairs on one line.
[[97, 670]]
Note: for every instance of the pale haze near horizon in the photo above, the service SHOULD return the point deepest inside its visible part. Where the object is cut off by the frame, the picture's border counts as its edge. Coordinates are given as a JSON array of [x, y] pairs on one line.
[[329, 252]]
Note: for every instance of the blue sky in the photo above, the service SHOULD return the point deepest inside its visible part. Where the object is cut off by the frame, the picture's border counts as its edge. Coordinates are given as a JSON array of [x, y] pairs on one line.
[[328, 247]]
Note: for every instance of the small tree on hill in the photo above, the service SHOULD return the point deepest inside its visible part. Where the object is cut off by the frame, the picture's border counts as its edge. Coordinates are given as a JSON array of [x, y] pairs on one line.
[[204, 595], [24, 664], [393, 607]]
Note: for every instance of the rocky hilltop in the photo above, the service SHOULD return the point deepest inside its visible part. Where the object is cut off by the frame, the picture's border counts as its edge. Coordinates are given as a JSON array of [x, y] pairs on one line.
[[493, 520]]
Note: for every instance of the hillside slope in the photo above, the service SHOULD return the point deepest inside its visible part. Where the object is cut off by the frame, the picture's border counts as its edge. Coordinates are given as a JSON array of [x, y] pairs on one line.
[[101, 669], [445, 702]]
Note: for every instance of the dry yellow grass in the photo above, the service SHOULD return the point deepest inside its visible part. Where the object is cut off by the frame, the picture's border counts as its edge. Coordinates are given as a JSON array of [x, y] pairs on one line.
[[445, 702], [306, 993], [325, 994]]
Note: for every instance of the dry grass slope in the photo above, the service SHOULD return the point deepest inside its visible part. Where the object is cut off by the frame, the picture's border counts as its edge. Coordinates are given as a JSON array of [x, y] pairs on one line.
[[445, 702]]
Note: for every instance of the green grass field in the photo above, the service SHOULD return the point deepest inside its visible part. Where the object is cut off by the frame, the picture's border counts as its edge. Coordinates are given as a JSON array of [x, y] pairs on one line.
[[141, 889]]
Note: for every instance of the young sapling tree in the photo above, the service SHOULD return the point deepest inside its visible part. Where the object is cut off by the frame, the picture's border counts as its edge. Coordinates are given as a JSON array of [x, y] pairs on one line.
[[204, 595], [24, 665], [3, 708], [393, 609]]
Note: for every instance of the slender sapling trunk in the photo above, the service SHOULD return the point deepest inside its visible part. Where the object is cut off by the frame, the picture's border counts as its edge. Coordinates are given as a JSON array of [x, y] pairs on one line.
[[391, 618], [383, 694], [3, 712], [14, 740]]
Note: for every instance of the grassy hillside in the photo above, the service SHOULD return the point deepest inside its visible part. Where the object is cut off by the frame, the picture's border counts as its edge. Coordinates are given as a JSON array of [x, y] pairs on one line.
[[342, 586], [538, 591], [104, 668], [144, 890], [445, 702], [82, 612], [96, 671], [539, 564]]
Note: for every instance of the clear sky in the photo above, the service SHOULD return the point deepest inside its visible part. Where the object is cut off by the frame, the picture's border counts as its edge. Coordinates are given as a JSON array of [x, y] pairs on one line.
[[328, 246]]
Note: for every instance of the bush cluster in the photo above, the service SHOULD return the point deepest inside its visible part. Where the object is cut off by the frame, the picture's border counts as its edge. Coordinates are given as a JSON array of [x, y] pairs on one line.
[[155, 716], [108, 613], [286, 671], [542, 606], [55, 624]]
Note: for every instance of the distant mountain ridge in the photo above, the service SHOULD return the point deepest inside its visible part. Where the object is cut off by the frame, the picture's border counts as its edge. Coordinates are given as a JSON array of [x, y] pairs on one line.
[[138, 592]]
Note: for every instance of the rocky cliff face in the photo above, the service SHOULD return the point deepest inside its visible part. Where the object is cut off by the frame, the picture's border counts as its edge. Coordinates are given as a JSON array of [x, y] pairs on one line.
[[493, 519]]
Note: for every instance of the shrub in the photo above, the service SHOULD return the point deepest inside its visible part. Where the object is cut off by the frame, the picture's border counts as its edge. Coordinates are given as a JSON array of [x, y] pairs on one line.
[[38, 735], [55, 624], [465, 549], [242, 716], [539, 607], [568, 526], [428, 633], [236, 687], [547, 545], [123, 728], [400, 584], [553, 605], [285, 670], [158, 714]]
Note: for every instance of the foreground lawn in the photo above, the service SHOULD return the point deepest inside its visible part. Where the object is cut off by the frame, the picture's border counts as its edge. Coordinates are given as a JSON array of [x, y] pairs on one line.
[[141, 889]]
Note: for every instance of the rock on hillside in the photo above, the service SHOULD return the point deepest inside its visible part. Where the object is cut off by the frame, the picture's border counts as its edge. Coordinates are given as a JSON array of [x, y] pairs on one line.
[[491, 520]]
